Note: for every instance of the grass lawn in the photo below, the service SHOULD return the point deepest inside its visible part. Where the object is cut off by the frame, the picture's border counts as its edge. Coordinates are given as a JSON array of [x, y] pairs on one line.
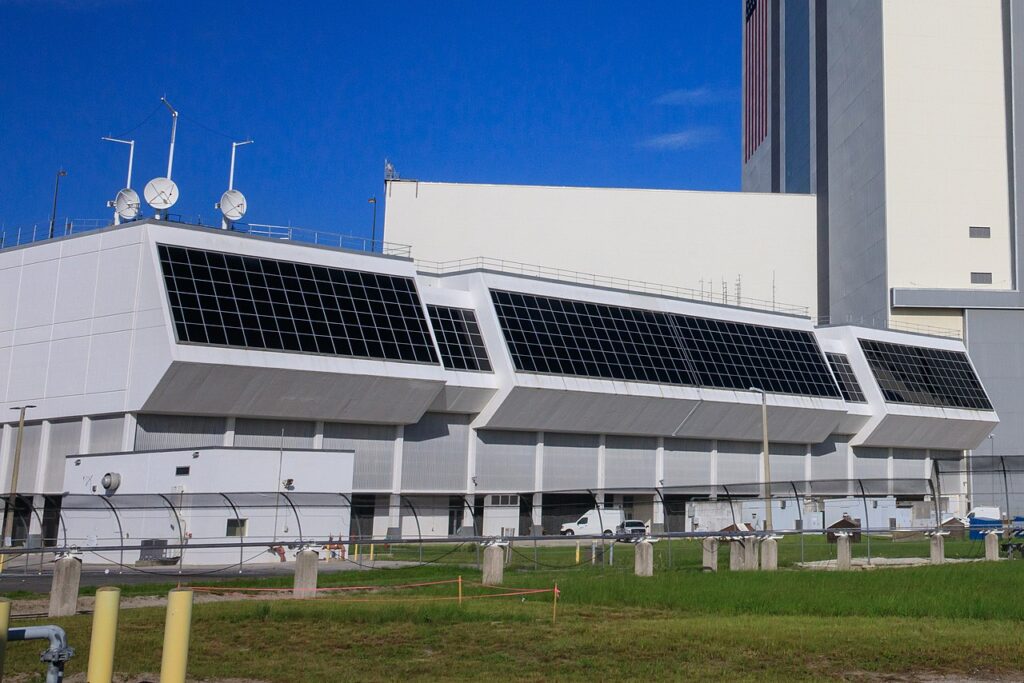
[[956, 619]]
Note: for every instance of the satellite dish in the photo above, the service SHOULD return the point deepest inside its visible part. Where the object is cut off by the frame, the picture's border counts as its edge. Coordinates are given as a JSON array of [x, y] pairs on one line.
[[161, 193], [232, 205], [127, 204]]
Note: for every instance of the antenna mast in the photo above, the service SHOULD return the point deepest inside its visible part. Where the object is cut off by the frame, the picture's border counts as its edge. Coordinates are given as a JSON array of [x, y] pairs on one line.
[[174, 130]]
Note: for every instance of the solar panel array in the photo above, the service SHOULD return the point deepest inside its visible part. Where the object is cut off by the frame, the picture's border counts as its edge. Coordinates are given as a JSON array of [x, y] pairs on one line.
[[848, 383], [458, 336], [567, 337], [260, 303], [925, 376]]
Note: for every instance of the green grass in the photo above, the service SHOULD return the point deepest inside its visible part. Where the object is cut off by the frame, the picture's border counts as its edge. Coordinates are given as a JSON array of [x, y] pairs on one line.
[[786, 625]]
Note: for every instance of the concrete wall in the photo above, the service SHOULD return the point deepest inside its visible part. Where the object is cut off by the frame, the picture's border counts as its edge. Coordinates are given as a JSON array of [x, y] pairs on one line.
[[684, 239], [945, 143]]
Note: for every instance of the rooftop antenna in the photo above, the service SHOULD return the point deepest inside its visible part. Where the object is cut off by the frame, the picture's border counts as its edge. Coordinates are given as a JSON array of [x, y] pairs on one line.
[[232, 203], [162, 193], [126, 204]]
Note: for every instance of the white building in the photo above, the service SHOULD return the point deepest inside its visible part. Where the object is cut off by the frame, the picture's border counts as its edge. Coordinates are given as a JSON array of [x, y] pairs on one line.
[[435, 394]]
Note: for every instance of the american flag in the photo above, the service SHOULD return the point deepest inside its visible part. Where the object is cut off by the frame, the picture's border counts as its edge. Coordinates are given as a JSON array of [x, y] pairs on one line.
[[755, 76]]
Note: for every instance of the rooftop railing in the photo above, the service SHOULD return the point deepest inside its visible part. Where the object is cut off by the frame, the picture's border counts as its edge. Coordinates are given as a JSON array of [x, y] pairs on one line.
[[639, 286], [888, 324]]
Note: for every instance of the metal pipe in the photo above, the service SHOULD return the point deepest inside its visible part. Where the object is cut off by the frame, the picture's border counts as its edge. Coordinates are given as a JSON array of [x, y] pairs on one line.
[[104, 635], [56, 656], [177, 629], [5, 619], [174, 131], [12, 499], [56, 189]]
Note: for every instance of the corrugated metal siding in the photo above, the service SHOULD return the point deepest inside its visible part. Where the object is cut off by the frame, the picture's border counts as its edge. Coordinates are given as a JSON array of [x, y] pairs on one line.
[[253, 433], [65, 437], [171, 432], [828, 460], [105, 434], [629, 461], [435, 452], [788, 461], [374, 447], [908, 463], [570, 461], [505, 460], [739, 462], [30, 440], [688, 462], [870, 463]]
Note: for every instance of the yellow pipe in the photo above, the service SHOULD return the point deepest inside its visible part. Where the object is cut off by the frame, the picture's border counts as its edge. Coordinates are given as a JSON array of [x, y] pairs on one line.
[[5, 618], [355, 552], [104, 635], [176, 635], [371, 552], [577, 552]]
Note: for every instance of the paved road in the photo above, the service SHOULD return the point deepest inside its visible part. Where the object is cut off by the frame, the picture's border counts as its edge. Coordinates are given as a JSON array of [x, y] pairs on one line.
[[35, 580]]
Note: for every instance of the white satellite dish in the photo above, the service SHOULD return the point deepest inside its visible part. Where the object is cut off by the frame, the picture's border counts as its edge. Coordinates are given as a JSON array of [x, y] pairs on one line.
[[161, 193], [232, 205], [127, 204]]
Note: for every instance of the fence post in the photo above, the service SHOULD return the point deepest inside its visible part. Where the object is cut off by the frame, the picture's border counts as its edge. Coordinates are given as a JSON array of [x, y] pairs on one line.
[[844, 554], [710, 559], [992, 546], [494, 567], [643, 562], [305, 573], [769, 554], [67, 575], [5, 619], [938, 548]]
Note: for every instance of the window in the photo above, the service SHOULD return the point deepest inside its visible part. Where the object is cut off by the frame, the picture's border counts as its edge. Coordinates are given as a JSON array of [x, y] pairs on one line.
[[458, 336], [981, 232], [848, 383], [565, 337], [182, 471], [981, 278], [259, 303], [925, 376], [237, 527]]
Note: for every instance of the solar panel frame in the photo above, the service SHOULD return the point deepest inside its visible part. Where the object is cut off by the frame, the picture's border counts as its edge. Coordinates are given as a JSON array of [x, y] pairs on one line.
[[458, 338], [223, 299], [921, 375]]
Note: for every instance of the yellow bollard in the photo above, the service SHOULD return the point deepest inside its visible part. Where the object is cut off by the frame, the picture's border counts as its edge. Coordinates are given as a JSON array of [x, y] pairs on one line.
[[5, 618], [577, 552], [176, 635], [355, 552], [104, 635], [371, 552]]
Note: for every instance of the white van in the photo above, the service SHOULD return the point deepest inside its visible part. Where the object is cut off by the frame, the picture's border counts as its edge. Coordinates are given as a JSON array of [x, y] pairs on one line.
[[592, 523]]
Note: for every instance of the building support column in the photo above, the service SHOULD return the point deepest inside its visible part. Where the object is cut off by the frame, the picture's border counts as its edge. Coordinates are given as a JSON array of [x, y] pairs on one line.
[[538, 486], [229, 432], [658, 508]]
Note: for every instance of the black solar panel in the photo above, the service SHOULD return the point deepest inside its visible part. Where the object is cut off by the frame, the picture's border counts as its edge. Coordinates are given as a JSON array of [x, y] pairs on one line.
[[848, 383], [560, 336], [258, 303], [458, 337], [925, 376]]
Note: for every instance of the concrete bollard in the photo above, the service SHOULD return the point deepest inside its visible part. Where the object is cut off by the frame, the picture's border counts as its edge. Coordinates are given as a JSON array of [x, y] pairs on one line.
[[104, 635], [769, 555], [737, 555], [991, 546], [5, 619], [938, 549], [305, 574], [177, 630], [710, 548], [67, 575], [844, 553], [750, 547], [494, 566], [643, 562]]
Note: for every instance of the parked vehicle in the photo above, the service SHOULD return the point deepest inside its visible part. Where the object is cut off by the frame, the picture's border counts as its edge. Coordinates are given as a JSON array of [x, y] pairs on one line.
[[594, 523], [631, 531]]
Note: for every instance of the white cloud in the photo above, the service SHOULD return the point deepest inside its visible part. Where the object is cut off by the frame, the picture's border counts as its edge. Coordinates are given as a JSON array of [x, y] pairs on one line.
[[683, 139], [694, 97]]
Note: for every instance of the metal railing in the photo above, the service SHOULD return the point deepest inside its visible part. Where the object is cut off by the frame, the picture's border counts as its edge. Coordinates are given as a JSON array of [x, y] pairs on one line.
[[14, 237], [889, 324], [609, 281], [326, 239]]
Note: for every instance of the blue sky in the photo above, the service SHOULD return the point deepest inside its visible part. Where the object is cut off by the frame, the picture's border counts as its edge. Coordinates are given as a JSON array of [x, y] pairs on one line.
[[560, 93]]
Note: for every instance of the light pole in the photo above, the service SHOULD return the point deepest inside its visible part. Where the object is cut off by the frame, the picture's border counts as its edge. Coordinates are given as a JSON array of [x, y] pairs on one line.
[[767, 459], [11, 499], [56, 188]]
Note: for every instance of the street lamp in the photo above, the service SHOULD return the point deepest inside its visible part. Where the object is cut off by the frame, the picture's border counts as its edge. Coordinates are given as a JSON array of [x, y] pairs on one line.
[[9, 516], [767, 459], [53, 212]]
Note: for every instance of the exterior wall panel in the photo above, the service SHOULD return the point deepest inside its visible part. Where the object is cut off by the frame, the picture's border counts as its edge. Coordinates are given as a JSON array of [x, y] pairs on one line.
[[374, 448], [688, 462], [171, 432], [570, 461], [629, 461], [435, 453], [505, 461]]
